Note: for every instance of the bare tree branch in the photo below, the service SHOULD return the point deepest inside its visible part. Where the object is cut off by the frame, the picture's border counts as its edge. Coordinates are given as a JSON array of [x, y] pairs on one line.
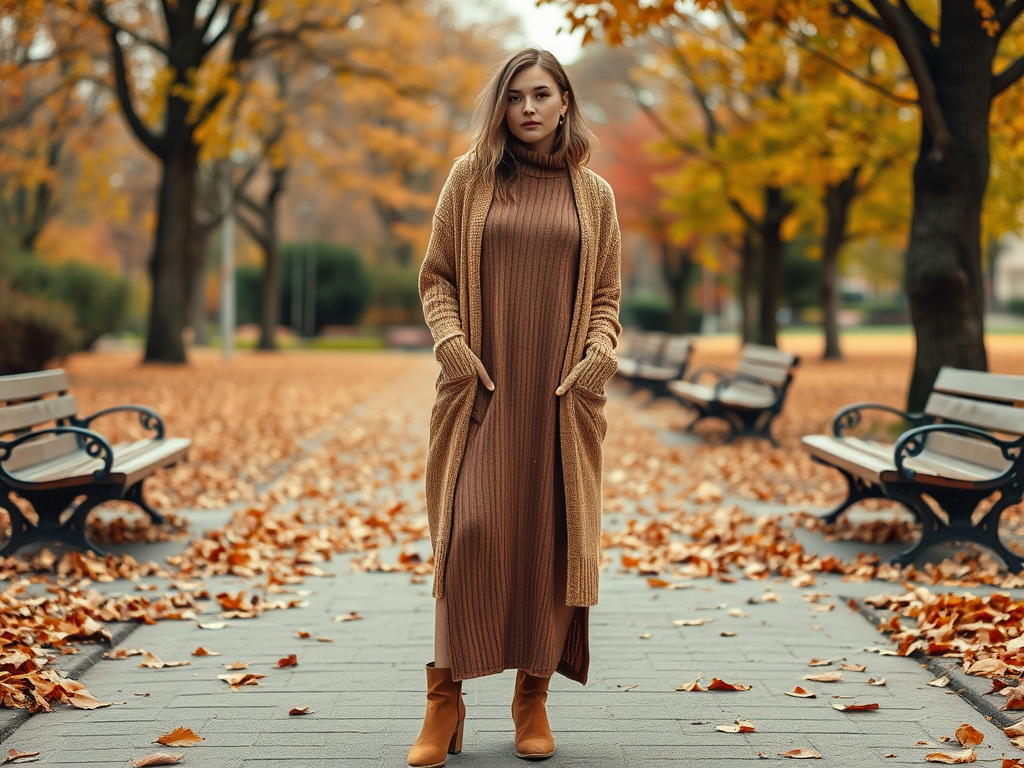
[[903, 100], [922, 30], [1007, 77], [1009, 14], [152, 142], [100, 9], [908, 44], [847, 8]]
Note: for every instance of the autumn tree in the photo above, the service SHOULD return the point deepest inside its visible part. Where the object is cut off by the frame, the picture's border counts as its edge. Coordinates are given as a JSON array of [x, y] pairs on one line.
[[172, 65], [961, 57]]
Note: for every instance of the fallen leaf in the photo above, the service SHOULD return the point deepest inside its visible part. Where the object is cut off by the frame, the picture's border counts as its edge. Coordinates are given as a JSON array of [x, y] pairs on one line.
[[123, 653], [353, 616], [200, 651], [879, 681], [819, 662], [82, 699], [826, 677], [801, 693], [851, 667], [288, 661], [801, 754], [237, 681], [939, 682], [304, 634], [855, 707], [969, 736], [1011, 762], [720, 685], [890, 754], [1014, 730], [212, 624], [693, 685], [158, 758], [740, 726], [325, 639], [628, 687], [236, 665], [691, 622], [657, 583], [180, 737], [645, 636], [152, 661], [951, 758], [1013, 704], [736, 613], [300, 711], [15, 756], [726, 633]]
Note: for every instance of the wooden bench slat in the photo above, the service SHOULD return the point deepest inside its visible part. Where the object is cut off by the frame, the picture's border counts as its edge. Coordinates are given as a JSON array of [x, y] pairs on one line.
[[835, 451], [759, 354], [999, 418], [164, 454], [695, 393], [628, 367], [968, 449], [771, 374], [29, 386], [43, 449], [746, 397], [35, 412], [79, 463], [929, 462], [979, 384], [132, 461]]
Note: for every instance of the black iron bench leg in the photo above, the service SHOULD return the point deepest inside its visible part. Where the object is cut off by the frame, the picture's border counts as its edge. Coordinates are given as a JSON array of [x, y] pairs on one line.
[[857, 491], [135, 495], [50, 507], [959, 506]]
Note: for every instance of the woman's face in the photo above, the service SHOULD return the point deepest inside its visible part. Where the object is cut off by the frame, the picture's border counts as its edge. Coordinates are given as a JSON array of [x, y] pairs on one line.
[[533, 108]]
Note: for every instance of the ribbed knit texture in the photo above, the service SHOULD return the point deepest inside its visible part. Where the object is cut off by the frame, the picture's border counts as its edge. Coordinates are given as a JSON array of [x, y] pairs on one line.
[[508, 533], [450, 289]]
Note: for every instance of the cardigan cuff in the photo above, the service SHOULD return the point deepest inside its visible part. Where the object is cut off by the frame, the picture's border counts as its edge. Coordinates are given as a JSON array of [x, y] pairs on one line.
[[582, 581], [455, 357], [600, 368]]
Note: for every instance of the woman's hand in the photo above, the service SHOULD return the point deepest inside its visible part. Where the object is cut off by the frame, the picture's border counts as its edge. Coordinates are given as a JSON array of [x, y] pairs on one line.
[[593, 370], [457, 359], [481, 371]]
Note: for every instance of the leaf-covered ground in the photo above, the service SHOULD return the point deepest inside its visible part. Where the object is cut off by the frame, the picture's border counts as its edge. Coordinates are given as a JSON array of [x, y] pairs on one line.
[[300, 501]]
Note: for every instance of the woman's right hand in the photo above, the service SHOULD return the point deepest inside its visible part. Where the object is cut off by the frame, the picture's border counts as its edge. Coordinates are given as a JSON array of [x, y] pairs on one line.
[[457, 359]]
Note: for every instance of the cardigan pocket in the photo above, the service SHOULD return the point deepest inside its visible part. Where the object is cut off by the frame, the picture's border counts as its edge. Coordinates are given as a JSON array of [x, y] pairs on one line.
[[481, 402]]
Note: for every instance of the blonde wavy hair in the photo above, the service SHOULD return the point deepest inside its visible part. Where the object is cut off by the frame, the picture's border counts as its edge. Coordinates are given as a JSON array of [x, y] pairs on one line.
[[492, 161]]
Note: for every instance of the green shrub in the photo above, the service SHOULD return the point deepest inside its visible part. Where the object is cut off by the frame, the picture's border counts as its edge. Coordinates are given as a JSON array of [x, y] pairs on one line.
[[1016, 306], [653, 312], [35, 331], [396, 295], [343, 290], [98, 300], [248, 280]]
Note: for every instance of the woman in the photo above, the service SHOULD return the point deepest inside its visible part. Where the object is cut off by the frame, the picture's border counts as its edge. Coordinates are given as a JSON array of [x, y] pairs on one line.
[[520, 288]]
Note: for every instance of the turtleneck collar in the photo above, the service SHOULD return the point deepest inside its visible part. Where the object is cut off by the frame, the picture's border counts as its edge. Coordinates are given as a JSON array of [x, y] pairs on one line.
[[532, 163]]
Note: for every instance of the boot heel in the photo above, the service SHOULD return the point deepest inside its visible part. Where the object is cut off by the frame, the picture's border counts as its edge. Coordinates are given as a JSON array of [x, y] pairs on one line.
[[455, 746]]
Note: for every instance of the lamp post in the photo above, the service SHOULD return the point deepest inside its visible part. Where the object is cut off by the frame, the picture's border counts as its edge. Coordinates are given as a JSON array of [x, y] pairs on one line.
[[227, 263], [304, 210]]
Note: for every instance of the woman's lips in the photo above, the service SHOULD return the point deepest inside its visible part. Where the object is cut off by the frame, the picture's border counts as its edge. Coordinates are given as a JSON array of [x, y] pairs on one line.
[[529, 124]]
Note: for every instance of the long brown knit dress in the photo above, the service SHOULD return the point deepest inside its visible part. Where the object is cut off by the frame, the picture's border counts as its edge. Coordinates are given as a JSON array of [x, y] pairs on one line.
[[508, 537]]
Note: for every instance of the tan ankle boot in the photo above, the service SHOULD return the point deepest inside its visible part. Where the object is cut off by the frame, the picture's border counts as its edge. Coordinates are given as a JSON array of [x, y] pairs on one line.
[[441, 734], [533, 734]]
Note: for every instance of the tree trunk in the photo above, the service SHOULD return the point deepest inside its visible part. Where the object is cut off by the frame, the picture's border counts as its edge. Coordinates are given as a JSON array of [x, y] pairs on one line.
[[748, 292], [168, 265], [676, 268], [943, 260], [775, 211], [270, 285], [837, 207]]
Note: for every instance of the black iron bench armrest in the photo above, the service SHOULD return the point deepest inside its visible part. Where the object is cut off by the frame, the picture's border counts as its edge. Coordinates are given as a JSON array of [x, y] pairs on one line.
[[94, 444], [149, 418], [849, 417], [913, 441]]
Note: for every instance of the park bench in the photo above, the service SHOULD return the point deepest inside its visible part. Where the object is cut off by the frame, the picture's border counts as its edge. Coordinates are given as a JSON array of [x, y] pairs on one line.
[[65, 470], [747, 399], [653, 360], [967, 444]]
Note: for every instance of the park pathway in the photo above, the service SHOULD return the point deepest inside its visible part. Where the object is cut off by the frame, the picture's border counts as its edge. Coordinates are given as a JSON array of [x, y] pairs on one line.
[[365, 688]]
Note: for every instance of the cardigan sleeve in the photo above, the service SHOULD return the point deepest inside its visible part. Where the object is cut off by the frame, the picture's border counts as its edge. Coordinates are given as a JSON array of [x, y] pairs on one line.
[[604, 328], [439, 293]]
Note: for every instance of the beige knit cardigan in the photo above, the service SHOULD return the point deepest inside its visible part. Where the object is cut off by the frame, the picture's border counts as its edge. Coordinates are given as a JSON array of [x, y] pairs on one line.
[[449, 286]]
